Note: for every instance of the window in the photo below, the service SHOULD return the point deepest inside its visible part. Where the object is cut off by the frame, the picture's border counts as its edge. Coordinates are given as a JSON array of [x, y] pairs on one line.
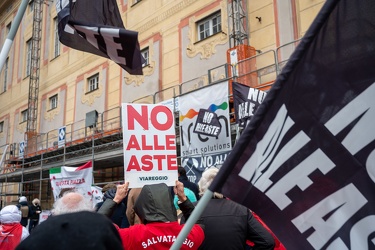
[[8, 27], [31, 6], [1, 127], [209, 26], [56, 41], [53, 102], [6, 68], [146, 54], [93, 83], [23, 116], [28, 57]]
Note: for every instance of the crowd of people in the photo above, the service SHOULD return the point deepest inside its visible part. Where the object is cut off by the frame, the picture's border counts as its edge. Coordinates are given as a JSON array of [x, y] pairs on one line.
[[139, 218]]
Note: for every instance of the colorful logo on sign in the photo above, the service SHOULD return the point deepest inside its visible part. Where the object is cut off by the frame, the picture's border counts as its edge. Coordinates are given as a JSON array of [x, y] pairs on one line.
[[213, 107]]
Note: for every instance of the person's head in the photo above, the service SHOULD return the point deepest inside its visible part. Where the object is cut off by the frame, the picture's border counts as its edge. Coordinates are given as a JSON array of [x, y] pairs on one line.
[[36, 202], [22, 199], [155, 204], [10, 214], [108, 187], [206, 180], [65, 190], [181, 171], [72, 202], [74, 231]]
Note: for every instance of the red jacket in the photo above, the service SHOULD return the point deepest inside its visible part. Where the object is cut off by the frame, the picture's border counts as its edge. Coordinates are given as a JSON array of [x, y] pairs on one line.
[[10, 236], [159, 235], [160, 227]]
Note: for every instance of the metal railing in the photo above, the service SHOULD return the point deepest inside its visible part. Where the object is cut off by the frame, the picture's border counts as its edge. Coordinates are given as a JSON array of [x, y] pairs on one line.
[[258, 70], [29, 175], [263, 69], [284, 52], [167, 93]]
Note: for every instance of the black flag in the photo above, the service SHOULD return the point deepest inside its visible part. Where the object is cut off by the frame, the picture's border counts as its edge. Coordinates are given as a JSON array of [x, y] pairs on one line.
[[306, 161], [207, 123], [95, 26], [246, 101]]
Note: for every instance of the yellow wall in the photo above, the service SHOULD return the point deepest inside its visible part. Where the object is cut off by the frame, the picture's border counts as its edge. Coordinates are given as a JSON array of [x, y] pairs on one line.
[[161, 23]]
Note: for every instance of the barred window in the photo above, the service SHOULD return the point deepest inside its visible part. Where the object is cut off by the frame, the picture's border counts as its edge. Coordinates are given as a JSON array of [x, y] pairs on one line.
[[209, 26], [56, 41], [31, 6], [8, 27], [53, 102], [28, 57], [146, 54], [23, 116], [93, 83]]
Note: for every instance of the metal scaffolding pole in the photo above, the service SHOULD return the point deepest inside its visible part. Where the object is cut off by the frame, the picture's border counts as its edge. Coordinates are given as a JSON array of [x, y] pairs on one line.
[[238, 23], [32, 111]]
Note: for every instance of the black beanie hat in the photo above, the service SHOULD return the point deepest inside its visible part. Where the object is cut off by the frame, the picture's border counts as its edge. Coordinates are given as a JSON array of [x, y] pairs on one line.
[[74, 231]]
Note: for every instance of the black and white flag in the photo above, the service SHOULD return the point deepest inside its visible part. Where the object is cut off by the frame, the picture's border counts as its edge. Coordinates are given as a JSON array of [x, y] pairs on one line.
[[207, 123], [246, 100], [306, 161], [95, 26]]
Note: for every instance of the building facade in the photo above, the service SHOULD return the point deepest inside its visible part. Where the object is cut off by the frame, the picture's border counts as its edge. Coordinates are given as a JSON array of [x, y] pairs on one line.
[[185, 44]]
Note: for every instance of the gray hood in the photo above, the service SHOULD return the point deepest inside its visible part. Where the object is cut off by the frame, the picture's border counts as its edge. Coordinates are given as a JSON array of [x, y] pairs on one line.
[[155, 204]]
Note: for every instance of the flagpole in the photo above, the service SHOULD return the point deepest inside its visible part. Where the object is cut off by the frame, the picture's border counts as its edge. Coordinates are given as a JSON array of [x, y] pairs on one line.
[[195, 215], [12, 33]]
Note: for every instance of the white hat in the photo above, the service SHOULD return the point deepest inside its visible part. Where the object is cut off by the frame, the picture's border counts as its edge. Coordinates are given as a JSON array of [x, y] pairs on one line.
[[10, 214], [36, 201], [22, 198], [205, 181]]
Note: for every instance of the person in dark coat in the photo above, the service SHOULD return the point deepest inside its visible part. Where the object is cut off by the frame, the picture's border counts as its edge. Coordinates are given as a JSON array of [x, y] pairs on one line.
[[104, 190], [119, 215], [35, 210], [228, 225], [74, 231], [182, 177]]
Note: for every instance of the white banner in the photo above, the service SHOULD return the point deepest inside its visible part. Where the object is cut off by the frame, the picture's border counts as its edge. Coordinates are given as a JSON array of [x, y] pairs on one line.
[[78, 178], [97, 195], [199, 151], [172, 104], [149, 144]]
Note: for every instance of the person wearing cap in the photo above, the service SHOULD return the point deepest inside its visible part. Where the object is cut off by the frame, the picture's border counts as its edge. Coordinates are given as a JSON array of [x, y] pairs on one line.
[[11, 231], [25, 210]]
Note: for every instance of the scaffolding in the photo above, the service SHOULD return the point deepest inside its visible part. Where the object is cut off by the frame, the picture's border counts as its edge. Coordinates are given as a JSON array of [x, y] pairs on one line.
[[238, 23], [32, 110], [102, 143]]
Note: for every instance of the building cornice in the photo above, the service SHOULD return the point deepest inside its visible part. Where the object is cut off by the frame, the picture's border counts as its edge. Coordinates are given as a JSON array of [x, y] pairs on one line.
[[7, 7]]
